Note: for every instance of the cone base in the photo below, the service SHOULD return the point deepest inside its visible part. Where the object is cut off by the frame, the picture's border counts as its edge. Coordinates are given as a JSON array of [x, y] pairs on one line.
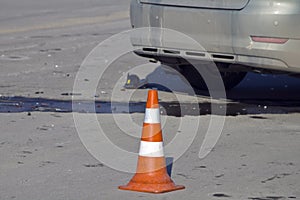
[[152, 188]]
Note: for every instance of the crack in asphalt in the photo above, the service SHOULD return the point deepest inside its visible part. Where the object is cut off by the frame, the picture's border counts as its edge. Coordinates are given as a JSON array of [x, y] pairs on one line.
[[26, 104]]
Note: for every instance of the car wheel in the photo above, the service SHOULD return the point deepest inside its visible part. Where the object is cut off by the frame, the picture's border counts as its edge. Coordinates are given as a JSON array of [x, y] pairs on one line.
[[230, 79]]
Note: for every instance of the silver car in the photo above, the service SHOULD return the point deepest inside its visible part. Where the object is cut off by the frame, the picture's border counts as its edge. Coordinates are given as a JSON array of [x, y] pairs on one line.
[[239, 36]]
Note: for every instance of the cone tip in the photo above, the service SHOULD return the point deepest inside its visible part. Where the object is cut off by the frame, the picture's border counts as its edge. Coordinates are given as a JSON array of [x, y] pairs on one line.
[[152, 101]]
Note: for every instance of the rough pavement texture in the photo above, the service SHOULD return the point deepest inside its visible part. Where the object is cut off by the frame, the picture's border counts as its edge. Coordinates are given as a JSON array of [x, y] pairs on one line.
[[42, 45], [44, 159]]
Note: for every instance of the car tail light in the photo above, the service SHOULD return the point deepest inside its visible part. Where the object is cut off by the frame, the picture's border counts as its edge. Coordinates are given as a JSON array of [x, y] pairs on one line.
[[273, 40]]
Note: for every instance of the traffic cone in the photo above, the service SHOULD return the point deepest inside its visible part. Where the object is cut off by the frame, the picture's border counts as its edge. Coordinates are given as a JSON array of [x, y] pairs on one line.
[[151, 173]]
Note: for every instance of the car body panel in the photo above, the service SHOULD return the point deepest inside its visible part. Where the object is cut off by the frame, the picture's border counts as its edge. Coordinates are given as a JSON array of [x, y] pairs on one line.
[[227, 32], [217, 4], [215, 27], [278, 19], [215, 34]]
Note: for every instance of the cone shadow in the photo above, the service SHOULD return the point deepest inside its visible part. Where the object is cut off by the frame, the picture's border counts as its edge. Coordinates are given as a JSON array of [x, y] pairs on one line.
[[169, 164]]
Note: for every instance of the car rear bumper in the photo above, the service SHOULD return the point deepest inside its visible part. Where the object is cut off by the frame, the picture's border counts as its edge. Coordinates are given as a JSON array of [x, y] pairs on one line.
[[173, 56], [225, 35]]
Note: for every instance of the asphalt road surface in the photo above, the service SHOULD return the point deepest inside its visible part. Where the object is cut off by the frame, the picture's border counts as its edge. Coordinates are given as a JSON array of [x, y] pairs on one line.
[[42, 155]]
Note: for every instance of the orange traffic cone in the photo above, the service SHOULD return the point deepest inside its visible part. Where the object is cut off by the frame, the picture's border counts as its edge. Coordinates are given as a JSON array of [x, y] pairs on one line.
[[151, 174]]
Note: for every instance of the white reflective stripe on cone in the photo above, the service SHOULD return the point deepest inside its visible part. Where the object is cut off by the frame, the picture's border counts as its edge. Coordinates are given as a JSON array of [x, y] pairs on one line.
[[152, 116], [151, 149]]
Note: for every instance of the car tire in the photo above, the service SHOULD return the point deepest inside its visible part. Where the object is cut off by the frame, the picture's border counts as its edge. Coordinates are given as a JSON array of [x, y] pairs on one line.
[[230, 79]]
